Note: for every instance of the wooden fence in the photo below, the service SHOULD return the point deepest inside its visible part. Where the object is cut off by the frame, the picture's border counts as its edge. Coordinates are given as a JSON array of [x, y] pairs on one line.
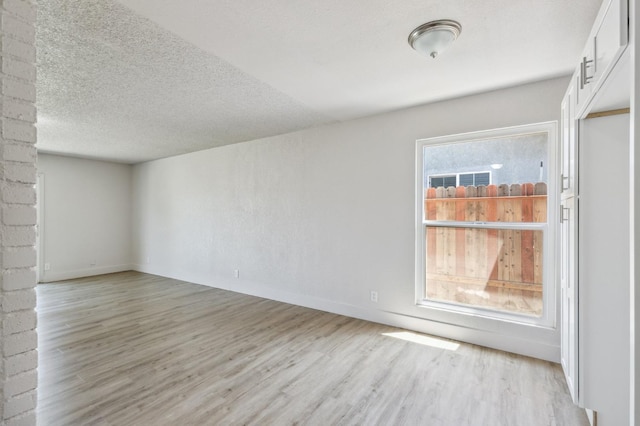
[[499, 268]]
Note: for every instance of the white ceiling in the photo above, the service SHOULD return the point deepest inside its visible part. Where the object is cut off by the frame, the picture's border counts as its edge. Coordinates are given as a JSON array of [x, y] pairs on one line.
[[135, 80]]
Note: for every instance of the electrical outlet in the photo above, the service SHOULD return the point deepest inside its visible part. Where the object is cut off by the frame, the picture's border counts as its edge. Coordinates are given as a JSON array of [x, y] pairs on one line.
[[47, 266], [236, 273], [374, 296]]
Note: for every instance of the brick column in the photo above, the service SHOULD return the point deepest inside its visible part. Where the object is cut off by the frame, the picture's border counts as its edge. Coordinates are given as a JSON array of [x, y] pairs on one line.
[[18, 339]]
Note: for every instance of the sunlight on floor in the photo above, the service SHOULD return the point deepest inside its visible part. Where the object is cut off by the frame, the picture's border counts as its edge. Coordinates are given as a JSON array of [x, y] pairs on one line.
[[424, 340]]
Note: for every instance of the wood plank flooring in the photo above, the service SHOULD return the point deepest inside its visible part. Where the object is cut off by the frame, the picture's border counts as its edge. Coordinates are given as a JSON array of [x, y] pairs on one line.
[[137, 349]]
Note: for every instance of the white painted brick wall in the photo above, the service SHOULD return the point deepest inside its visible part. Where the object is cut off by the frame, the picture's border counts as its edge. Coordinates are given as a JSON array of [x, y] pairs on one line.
[[21, 383], [26, 419], [19, 215], [20, 172], [16, 193], [17, 236], [23, 9], [20, 404], [22, 257], [20, 363], [16, 129], [18, 279], [18, 175], [18, 90], [18, 300], [20, 110], [18, 29], [20, 321], [19, 343], [17, 48], [25, 153]]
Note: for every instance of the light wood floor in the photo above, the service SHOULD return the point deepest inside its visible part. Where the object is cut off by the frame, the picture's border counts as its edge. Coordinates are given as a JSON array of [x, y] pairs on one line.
[[136, 349]]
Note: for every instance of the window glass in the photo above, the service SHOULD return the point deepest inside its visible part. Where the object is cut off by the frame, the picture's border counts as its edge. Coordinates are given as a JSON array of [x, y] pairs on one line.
[[484, 217]]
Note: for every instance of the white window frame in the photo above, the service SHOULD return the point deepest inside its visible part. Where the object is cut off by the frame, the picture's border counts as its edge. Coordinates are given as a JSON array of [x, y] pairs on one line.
[[457, 313]]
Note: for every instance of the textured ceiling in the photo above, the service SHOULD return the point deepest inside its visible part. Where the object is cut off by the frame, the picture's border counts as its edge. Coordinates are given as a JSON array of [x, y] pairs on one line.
[[136, 80], [114, 85]]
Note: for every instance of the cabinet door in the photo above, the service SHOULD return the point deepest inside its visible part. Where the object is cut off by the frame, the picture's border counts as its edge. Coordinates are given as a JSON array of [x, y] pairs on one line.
[[604, 47], [568, 296], [565, 113], [568, 143], [610, 37], [585, 76]]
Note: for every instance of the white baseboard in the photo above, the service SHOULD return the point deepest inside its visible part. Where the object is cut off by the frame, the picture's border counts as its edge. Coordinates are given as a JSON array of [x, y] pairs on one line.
[[51, 276], [488, 339]]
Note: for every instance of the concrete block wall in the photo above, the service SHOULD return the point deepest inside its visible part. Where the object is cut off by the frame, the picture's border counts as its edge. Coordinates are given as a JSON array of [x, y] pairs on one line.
[[18, 338]]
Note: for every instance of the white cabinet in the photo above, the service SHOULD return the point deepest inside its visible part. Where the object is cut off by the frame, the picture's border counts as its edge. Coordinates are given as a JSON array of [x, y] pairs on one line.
[[609, 38], [568, 295], [584, 76], [606, 43], [569, 332], [568, 143], [594, 231]]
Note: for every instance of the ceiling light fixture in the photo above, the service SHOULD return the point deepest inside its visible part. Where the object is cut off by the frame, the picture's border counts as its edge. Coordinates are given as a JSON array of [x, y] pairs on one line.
[[435, 36]]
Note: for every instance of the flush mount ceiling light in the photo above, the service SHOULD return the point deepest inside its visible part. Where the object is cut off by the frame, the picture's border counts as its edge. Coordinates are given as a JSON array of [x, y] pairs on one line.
[[435, 36]]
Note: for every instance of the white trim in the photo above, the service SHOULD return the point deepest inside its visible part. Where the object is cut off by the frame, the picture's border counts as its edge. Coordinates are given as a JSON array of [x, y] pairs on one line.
[[515, 343], [525, 226], [489, 134], [40, 227], [447, 312], [52, 276], [634, 213]]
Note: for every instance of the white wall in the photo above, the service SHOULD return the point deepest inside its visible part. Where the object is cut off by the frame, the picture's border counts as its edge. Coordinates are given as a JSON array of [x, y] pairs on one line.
[[321, 217], [85, 217]]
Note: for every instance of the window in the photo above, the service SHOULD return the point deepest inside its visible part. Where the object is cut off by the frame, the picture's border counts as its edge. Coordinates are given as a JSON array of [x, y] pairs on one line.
[[485, 248], [445, 181], [459, 179], [474, 179]]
